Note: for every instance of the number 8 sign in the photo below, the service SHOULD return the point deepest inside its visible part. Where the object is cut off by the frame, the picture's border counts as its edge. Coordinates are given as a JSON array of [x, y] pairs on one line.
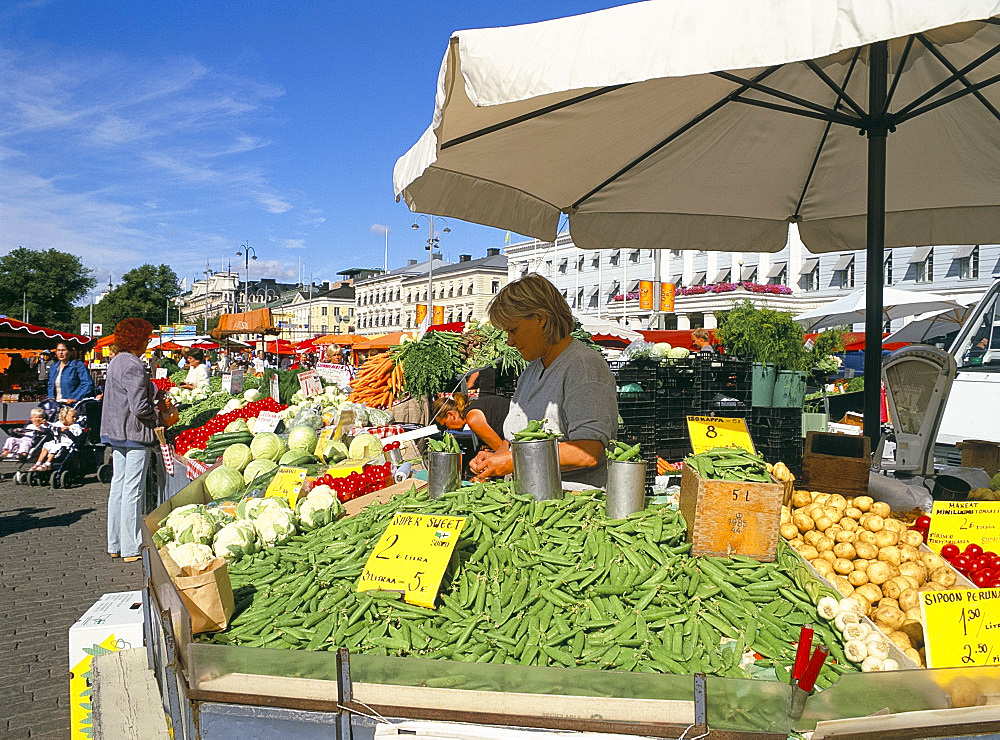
[[707, 432]]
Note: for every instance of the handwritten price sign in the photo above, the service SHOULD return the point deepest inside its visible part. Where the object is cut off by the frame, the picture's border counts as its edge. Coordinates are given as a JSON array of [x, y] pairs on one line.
[[962, 627], [412, 556], [962, 522], [707, 432], [287, 484]]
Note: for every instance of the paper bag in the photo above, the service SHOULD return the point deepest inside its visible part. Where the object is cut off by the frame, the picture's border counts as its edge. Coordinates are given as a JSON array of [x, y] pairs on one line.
[[205, 590]]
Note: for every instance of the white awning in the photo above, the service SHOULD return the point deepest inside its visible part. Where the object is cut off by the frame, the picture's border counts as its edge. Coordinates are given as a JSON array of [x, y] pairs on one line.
[[593, 291], [614, 255], [698, 278], [964, 251], [613, 290], [843, 262], [634, 287], [633, 253], [676, 278], [776, 270], [723, 275], [920, 254], [563, 263], [809, 265]]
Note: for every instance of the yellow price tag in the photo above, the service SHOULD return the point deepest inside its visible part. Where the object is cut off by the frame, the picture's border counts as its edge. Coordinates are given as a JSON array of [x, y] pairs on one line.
[[707, 432], [962, 627], [412, 556], [322, 441], [962, 522], [287, 484]]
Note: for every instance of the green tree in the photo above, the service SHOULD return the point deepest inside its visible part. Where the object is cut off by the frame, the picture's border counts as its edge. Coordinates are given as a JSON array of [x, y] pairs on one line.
[[144, 293], [49, 282]]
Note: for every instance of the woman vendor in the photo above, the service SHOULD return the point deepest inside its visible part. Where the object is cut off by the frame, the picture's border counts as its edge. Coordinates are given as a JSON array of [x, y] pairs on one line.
[[566, 383], [484, 415]]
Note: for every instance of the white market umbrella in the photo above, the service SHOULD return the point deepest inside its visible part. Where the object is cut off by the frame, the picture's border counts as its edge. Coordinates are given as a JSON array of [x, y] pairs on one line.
[[896, 304], [934, 323], [712, 125], [595, 325]]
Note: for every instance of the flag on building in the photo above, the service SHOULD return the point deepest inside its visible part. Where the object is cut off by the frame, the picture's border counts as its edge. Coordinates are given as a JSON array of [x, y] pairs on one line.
[[506, 239]]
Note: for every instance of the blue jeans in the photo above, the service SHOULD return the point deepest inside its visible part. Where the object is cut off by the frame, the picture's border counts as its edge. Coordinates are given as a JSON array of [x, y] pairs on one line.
[[128, 486]]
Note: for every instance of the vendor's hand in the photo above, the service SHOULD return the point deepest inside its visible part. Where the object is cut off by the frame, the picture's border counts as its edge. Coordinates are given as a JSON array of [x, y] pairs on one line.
[[496, 465], [69, 400], [479, 460]]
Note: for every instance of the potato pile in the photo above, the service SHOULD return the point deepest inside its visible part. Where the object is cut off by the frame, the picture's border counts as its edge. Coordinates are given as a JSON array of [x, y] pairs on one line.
[[870, 557]]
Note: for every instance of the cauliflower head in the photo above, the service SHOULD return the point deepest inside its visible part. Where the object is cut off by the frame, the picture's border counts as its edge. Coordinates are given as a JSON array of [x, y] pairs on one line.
[[318, 508], [190, 553], [274, 525], [236, 540]]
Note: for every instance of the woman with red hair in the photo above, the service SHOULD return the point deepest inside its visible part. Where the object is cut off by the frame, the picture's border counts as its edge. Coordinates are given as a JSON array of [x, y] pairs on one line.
[[127, 425]]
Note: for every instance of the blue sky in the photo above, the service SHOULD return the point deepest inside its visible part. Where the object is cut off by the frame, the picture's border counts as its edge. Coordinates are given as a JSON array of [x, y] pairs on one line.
[[173, 132]]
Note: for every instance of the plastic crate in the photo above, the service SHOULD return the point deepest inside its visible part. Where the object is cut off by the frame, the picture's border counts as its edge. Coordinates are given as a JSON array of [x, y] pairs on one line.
[[644, 372], [505, 385], [646, 438]]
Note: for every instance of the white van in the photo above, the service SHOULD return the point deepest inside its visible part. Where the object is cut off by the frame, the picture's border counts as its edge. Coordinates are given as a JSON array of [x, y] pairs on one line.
[[973, 407]]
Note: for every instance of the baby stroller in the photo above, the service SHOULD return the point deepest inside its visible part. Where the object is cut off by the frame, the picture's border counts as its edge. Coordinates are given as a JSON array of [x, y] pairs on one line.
[[85, 455]]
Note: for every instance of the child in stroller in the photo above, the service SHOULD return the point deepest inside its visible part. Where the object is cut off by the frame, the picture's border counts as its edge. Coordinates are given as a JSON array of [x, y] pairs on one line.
[[20, 441], [65, 434]]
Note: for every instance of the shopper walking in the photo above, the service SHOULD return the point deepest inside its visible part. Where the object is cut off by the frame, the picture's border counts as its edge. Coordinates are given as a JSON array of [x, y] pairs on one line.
[[128, 425]]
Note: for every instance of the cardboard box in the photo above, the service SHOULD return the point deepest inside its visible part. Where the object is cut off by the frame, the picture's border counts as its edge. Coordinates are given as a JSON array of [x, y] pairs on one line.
[[977, 453], [114, 623], [836, 463]]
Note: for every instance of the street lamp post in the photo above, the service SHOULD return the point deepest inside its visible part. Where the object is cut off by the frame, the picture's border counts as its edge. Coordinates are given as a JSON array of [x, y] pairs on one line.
[[432, 241], [248, 253]]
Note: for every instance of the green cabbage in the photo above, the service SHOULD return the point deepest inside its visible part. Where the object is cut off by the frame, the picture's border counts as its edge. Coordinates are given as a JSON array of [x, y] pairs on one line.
[[240, 425], [267, 445], [995, 482], [678, 353], [237, 456], [223, 482], [302, 438], [257, 468]]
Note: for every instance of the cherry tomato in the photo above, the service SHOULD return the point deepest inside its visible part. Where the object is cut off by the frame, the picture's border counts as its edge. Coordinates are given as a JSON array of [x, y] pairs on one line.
[[950, 551], [990, 554], [961, 562], [983, 577], [981, 562], [973, 550], [923, 522]]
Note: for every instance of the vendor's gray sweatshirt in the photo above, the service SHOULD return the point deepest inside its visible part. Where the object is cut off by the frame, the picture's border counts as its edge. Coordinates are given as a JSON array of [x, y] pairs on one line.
[[576, 395]]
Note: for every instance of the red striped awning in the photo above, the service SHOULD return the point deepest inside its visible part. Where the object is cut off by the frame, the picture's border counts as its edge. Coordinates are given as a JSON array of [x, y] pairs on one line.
[[16, 334]]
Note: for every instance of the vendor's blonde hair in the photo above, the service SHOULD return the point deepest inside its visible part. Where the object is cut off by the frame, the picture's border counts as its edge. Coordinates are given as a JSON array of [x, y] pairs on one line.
[[455, 402], [530, 296]]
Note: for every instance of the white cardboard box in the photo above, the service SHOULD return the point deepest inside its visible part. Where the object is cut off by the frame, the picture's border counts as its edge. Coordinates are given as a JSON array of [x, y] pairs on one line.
[[116, 613]]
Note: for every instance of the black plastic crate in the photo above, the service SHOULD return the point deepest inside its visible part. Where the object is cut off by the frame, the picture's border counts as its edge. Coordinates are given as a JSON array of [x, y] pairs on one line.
[[642, 371], [505, 385]]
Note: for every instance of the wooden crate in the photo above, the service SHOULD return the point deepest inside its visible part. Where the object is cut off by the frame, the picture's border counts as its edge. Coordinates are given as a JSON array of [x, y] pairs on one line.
[[726, 518], [977, 453], [836, 463]]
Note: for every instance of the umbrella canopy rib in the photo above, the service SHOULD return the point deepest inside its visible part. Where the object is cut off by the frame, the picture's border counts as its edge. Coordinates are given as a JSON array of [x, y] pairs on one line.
[[895, 78], [907, 111], [828, 113], [841, 90], [971, 90], [935, 52], [672, 137], [826, 134], [531, 115]]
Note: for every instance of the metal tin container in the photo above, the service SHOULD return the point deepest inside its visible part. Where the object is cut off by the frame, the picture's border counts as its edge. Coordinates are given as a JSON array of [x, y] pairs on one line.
[[626, 488], [395, 457], [444, 472], [536, 468]]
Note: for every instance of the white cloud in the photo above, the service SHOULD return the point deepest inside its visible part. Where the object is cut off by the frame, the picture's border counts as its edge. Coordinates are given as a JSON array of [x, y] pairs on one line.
[[293, 243], [379, 229], [281, 271], [273, 203]]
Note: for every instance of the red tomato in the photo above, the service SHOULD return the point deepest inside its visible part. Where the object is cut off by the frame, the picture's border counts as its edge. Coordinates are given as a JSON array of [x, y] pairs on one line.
[[961, 562], [982, 578], [990, 554], [950, 551], [981, 563], [923, 522], [973, 550]]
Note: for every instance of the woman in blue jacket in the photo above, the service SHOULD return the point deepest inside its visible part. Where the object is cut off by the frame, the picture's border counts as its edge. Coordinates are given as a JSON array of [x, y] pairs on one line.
[[69, 378]]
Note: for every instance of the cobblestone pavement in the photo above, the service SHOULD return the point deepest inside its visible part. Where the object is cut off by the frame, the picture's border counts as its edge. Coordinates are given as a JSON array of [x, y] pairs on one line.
[[53, 567]]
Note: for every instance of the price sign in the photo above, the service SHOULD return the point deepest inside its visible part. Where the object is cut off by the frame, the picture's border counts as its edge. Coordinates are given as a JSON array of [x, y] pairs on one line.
[[962, 522], [309, 384], [232, 383], [325, 436], [412, 556], [707, 432], [336, 374], [287, 484], [273, 386], [267, 421], [161, 372], [962, 627]]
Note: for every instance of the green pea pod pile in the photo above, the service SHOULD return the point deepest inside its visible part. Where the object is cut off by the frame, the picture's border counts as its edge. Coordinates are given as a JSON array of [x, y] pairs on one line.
[[534, 430], [622, 452], [448, 443], [543, 583], [729, 463]]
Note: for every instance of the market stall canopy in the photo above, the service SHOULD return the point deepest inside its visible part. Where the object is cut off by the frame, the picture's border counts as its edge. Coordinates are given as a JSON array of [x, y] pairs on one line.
[[745, 121], [275, 346], [258, 321], [455, 327], [344, 340], [602, 328], [383, 342], [673, 337], [205, 345], [896, 304], [104, 341], [934, 323], [16, 334]]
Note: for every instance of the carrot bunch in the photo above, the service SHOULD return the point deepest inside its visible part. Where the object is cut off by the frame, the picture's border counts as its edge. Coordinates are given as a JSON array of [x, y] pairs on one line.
[[664, 468], [378, 383]]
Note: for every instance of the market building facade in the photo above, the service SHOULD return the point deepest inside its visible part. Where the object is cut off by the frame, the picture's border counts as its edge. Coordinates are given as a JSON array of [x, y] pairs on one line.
[[606, 283]]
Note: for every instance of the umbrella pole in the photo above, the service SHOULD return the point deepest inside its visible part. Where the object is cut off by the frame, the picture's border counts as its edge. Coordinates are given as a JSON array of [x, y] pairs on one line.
[[878, 62]]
